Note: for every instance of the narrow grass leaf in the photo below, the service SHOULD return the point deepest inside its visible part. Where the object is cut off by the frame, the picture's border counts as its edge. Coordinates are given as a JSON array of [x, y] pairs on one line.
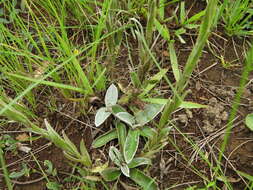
[[131, 145], [13, 114], [5, 170], [191, 105], [195, 17], [105, 138], [85, 154], [143, 180], [153, 82], [182, 15], [162, 30], [101, 115], [174, 63], [247, 176], [156, 100], [135, 79], [49, 83]]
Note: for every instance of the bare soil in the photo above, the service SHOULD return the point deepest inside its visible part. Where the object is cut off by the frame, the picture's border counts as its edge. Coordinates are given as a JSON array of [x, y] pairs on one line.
[[212, 84]]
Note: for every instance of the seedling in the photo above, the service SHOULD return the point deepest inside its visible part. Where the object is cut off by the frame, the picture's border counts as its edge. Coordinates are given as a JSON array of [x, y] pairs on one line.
[[139, 119], [125, 159]]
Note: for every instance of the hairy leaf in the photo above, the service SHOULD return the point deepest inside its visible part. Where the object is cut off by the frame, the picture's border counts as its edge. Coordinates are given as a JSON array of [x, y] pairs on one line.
[[126, 117], [105, 138], [110, 174], [131, 145], [101, 115], [149, 113], [143, 180], [111, 96], [139, 161]]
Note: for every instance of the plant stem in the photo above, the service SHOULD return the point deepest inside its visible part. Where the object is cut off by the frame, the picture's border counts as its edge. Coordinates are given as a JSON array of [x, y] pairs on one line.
[[191, 63], [5, 171]]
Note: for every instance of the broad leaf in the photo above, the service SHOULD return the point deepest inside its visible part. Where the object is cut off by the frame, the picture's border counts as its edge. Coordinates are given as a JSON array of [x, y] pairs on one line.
[[110, 174], [115, 156], [126, 117], [131, 145], [117, 108], [122, 133], [111, 96], [143, 180], [139, 161], [101, 115], [149, 113], [190, 105], [125, 170], [148, 132], [105, 138], [249, 121]]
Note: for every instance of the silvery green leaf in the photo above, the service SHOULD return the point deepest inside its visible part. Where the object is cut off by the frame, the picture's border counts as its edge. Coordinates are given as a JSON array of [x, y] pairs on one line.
[[111, 96], [115, 156], [148, 132], [117, 108], [131, 145], [110, 174], [149, 113], [126, 117], [105, 138], [122, 134], [139, 161], [143, 180], [249, 121], [125, 170], [101, 115]]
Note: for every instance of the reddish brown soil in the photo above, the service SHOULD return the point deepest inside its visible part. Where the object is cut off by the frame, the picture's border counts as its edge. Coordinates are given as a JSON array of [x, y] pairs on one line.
[[169, 168]]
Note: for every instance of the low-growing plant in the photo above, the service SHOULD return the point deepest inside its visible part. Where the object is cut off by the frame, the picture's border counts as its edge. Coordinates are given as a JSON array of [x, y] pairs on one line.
[[237, 16], [140, 117], [183, 22], [125, 159]]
